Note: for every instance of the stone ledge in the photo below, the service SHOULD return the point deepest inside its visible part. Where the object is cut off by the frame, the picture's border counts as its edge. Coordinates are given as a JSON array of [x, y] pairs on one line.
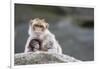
[[42, 58]]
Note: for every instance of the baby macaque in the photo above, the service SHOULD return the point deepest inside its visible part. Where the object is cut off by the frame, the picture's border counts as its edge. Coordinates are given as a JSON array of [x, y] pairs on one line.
[[34, 45], [40, 38]]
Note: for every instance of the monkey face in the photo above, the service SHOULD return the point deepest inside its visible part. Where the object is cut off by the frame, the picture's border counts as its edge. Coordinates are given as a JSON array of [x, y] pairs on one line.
[[38, 28], [39, 25]]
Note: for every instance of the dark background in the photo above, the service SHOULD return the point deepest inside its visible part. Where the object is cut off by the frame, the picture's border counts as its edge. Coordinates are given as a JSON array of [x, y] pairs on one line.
[[72, 26]]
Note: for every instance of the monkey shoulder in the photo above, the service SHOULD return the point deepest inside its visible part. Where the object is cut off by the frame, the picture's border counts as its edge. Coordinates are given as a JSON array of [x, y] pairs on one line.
[[49, 35]]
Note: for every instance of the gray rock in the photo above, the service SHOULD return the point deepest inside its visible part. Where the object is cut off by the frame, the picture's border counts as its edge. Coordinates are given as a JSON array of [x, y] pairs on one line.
[[41, 58]]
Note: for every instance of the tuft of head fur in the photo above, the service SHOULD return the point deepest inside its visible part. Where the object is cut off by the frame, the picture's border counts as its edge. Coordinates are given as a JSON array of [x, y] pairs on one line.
[[40, 22]]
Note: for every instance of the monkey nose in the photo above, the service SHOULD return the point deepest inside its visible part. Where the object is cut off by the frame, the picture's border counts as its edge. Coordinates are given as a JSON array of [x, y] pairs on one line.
[[38, 29]]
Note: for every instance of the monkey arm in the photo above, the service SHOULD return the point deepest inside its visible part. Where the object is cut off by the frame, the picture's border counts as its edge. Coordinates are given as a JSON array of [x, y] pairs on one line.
[[55, 47], [51, 45], [27, 49]]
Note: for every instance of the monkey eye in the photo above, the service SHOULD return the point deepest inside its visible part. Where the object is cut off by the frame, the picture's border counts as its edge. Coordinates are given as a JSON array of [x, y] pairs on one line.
[[38, 26]]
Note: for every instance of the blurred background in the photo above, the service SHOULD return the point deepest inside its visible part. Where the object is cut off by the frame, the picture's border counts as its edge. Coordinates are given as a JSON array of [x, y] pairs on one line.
[[72, 26]]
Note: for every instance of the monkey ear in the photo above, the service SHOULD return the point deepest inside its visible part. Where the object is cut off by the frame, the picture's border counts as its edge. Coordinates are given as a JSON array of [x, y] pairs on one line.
[[30, 22], [43, 20], [47, 25]]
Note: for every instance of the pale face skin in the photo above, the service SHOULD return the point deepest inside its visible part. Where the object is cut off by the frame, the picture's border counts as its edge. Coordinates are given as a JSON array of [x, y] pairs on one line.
[[39, 26]]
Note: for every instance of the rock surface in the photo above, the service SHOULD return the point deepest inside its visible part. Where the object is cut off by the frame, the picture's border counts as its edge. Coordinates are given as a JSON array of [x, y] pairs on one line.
[[42, 58]]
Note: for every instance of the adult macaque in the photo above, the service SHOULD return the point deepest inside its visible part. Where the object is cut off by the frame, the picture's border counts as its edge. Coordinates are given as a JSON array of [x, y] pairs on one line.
[[40, 38]]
